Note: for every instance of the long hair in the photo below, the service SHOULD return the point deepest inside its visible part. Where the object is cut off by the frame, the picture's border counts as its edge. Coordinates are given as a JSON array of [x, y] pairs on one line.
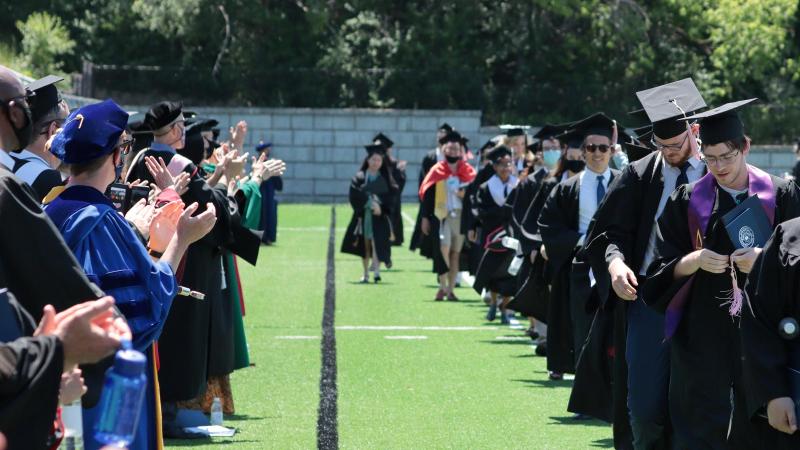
[[384, 170]]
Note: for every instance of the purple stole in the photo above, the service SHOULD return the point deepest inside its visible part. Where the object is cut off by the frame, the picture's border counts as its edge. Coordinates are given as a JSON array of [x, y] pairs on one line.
[[701, 203]]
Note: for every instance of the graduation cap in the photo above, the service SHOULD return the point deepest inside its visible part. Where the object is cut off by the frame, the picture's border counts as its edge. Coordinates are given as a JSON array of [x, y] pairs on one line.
[[514, 132], [663, 104], [163, 115], [549, 131], [47, 97], [381, 138], [375, 149], [497, 153], [720, 124], [197, 125], [598, 124], [635, 151], [90, 132], [451, 136], [536, 146], [445, 127], [263, 146], [489, 144], [571, 138]]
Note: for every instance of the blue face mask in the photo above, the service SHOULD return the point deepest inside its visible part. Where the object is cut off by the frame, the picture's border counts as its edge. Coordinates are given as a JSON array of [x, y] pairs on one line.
[[620, 160], [550, 157]]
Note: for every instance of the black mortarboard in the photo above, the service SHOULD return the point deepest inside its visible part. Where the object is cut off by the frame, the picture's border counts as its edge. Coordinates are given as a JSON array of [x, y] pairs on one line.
[[498, 153], [671, 101], [47, 97], [199, 124], [514, 132], [373, 149], [383, 139], [445, 127], [722, 123], [536, 146], [549, 131], [464, 141], [572, 139], [489, 144], [597, 123], [162, 115], [635, 152], [451, 136]]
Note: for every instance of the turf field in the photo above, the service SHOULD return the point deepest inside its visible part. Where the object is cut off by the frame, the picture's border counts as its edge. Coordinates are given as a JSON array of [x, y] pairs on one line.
[[411, 373]]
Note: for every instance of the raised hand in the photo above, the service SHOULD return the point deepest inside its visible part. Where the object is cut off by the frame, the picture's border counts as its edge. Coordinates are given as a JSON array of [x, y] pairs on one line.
[[158, 169], [238, 134], [164, 225], [192, 228]]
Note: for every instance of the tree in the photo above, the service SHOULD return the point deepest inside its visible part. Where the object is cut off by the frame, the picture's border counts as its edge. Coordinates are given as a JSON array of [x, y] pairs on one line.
[[45, 44]]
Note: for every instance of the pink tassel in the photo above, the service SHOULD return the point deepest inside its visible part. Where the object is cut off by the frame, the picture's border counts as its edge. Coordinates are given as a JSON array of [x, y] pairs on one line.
[[735, 309]]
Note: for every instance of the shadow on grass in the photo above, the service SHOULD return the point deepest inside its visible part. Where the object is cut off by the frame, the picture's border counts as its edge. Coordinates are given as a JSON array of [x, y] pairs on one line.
[[547, 383], [382, 282], [568, 420], [202, 442], [247, 417], [509, 342], [603, 443]]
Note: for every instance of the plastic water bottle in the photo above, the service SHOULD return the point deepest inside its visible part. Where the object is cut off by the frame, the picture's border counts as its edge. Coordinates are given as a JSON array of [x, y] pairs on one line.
[[72, 417], [216, 411], [121, 401]]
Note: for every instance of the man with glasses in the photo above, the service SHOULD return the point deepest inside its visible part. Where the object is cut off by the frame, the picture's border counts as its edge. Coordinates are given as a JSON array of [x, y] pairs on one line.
[[34, 164], [565, 219], [621, 243]]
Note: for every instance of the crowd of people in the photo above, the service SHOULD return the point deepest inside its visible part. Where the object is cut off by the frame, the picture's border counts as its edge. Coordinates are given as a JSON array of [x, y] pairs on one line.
[[655, 265], [122, 233]]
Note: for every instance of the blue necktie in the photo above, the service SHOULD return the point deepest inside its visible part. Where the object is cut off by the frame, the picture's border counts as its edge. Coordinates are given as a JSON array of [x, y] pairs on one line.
[[601, 191], [682, 178]]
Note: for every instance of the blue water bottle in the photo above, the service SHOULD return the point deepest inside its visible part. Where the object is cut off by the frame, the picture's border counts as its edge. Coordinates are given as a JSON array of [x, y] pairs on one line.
[[121, 401]]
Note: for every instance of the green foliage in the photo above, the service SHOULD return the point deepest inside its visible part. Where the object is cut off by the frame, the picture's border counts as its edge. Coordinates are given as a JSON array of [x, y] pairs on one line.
[[45, 42]]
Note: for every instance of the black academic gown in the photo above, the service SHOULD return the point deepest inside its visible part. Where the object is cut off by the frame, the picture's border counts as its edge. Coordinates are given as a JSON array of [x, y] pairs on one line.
[[419, 240], [30, 378], [397, 205], [197, 340], [431, 247], [773, 294], [473, 251], [353, 242], [705, 353], [532, 290], [492, 273]]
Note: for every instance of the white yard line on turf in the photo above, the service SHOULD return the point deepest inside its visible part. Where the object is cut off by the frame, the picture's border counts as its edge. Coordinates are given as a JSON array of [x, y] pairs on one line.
[[412, 328], [407, 218], [406, 338], [296, 338]]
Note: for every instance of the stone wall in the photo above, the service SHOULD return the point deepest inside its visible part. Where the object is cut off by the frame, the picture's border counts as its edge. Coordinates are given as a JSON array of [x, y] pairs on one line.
[[323, 148]]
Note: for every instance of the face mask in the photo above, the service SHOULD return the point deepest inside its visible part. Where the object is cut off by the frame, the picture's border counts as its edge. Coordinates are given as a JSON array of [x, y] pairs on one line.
[[620, 160], [550, 157], [24, 134], [574, 165], [452, 159]]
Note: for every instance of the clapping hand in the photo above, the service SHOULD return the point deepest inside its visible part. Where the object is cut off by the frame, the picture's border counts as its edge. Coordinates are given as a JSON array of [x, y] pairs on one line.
[[192, 228], [141, 216], [238, 133], [164, 225]]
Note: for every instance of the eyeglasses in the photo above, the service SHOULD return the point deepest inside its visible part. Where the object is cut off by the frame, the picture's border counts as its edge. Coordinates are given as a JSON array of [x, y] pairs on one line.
[[724, 159], [661, 147], [592, 147], [126, 146]]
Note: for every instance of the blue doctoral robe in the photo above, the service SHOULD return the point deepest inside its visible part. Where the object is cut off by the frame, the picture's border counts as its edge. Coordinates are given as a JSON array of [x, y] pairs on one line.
[[114, 258], [269, 210]]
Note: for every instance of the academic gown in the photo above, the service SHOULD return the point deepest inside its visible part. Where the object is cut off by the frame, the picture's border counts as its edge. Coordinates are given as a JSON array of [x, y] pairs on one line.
[[36, 281], [705, 349], [30, 379], [34, 170], [532, 290], [492, 273], [397, 214], [431, 247], [113, 256], [269, 209], [473, 251], [571, 307], [353, 242], [773, 295], [186, 351], [419, 240]]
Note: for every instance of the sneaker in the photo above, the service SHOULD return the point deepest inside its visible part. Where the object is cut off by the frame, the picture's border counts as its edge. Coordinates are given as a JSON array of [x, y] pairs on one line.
[[504, 319], [532, 334], [364, 280], [487, 298], [492, 314], [541, 350], [377, 279], [452, 297], [439, 295], [556, 376]]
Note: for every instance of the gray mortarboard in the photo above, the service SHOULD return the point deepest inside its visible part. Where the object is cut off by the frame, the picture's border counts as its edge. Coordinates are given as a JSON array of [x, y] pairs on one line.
[[47, 96], [497, 153], [383, 139], [664, 104], [720, 124], [163, 115], [375, 149], [451, 136]]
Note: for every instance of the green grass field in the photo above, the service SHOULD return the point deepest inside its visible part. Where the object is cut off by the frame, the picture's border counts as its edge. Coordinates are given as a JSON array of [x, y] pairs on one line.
[[480, 388]]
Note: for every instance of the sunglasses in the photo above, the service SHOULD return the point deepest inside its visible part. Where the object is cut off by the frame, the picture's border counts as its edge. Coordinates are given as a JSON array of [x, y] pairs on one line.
[[591, 148]]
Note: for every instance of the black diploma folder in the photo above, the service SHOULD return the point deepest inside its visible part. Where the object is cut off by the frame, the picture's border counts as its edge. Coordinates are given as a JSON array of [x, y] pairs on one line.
[[747, 224]]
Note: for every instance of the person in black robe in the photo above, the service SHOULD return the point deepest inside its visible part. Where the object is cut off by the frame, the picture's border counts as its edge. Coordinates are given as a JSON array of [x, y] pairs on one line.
[[372, 193], [426, 243], [769, 339], [398, 169], [621, 241], [495, 215], [696, 277], [185, 344], [470, 223]]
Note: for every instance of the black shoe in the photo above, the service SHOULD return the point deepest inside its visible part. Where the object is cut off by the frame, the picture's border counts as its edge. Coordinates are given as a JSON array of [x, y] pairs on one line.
[[377, 279], [581, 417], [173, 431], [541, 350], [532, 334], [364, 280]]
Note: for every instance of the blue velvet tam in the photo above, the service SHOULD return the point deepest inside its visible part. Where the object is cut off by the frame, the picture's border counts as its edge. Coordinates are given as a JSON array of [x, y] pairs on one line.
[[90, 132], [263, 145]]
